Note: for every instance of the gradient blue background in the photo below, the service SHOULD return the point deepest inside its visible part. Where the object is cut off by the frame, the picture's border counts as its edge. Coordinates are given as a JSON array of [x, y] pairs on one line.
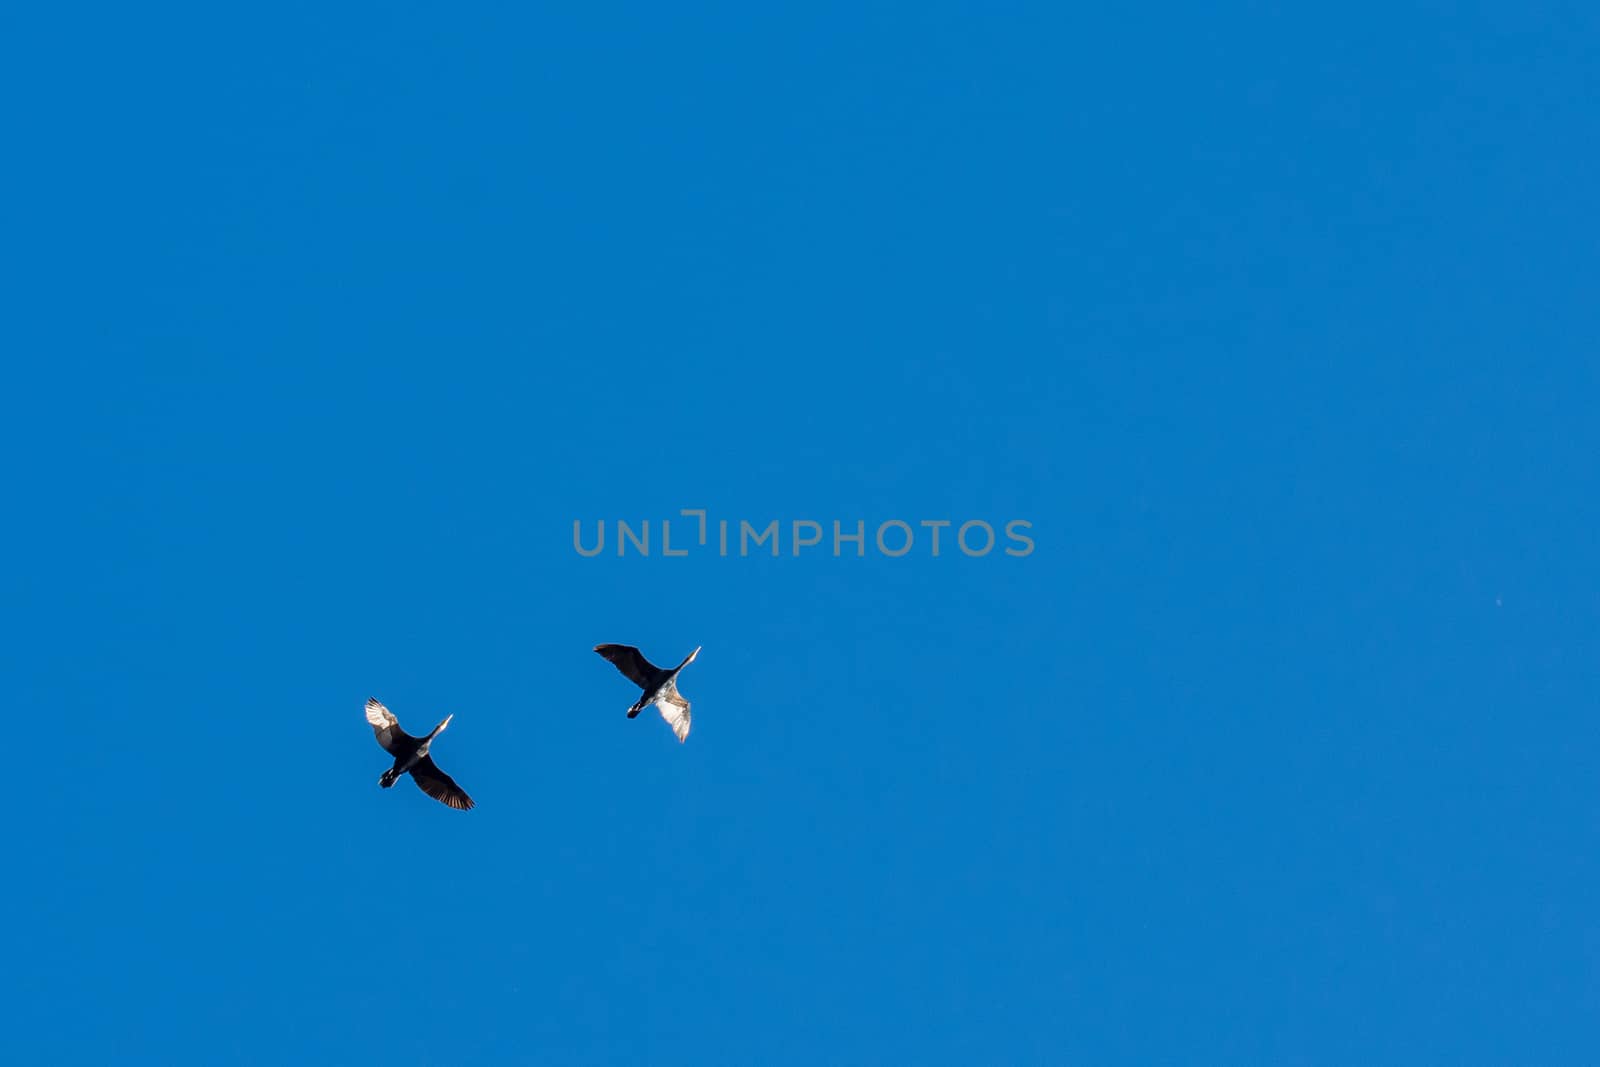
[[322, 326]]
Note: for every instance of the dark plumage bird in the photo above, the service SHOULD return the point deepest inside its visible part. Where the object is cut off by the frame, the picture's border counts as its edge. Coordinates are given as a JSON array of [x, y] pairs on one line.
[[660, 686], [411, 757]]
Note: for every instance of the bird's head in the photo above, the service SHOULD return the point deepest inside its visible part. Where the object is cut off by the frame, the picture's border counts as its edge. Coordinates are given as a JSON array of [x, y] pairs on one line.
[[437, 730]]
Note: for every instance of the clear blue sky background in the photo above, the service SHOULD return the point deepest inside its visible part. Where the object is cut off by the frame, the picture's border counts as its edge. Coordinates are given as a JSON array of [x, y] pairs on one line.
[[322, 327]]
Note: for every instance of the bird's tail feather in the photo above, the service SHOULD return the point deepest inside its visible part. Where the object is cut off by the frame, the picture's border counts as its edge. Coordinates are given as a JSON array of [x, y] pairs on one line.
[[390, 776]]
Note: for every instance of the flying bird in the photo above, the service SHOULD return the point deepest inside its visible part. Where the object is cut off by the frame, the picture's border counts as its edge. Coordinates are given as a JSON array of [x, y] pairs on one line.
[[660, 686], [411, 756]]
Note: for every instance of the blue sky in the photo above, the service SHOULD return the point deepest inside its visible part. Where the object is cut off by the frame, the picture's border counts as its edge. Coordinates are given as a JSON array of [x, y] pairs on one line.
[[1279, 329]]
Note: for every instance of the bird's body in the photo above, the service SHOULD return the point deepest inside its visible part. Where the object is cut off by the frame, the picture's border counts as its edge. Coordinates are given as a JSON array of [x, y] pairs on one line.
[[411, 757], [660, 686]]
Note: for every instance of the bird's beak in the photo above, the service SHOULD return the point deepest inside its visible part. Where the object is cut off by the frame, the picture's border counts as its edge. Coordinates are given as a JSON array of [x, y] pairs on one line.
[[695, 653], [446, 722]]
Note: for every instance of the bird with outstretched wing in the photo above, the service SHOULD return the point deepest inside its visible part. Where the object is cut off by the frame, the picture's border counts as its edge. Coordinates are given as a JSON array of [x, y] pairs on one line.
[[660, 686]]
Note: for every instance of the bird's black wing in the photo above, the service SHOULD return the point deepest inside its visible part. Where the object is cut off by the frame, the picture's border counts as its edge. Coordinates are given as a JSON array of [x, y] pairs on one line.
[[631, 662], [385, 725], [439, 785]]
